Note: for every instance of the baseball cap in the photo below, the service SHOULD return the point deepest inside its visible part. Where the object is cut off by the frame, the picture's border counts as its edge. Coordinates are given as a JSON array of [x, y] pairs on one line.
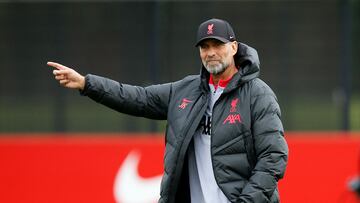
[[215, 29]]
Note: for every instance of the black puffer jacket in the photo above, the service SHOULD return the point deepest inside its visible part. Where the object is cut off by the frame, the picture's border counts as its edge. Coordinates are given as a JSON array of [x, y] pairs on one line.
[[249, 152]]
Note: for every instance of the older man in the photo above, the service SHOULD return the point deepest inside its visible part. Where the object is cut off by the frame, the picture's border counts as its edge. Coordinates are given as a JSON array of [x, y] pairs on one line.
[[224, 138]]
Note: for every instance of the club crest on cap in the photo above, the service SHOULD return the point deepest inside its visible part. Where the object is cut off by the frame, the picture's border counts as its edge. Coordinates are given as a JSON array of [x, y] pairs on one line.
[[210, 29]]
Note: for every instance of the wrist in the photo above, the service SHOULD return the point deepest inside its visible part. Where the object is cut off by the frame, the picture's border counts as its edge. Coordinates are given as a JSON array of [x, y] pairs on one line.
[[82, 83]]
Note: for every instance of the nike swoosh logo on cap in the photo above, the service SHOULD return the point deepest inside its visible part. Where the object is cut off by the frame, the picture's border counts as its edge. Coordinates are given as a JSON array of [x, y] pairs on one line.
[[129, 187]]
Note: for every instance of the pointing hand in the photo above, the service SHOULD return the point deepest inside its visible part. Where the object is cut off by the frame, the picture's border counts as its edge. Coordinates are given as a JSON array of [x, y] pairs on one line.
[[67, 77]]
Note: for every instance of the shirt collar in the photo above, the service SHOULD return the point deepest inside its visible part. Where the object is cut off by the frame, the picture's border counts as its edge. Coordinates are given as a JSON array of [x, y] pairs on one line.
[[221, 83]]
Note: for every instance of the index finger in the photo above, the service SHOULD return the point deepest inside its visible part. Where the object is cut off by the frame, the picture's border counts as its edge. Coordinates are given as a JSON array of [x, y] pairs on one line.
[[57, 65]]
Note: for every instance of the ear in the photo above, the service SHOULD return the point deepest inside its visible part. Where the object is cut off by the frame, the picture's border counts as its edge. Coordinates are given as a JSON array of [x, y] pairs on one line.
[[234, 47]]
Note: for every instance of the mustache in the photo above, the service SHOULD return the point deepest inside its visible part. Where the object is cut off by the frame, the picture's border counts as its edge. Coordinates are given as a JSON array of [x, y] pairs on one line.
[[212, 59]]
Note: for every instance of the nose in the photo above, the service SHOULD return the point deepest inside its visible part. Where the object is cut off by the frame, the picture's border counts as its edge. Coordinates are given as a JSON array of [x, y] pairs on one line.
[[210, 52]]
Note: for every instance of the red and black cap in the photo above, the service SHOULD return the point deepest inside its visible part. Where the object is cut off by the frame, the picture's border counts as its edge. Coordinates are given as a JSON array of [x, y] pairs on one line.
[[215, 29]]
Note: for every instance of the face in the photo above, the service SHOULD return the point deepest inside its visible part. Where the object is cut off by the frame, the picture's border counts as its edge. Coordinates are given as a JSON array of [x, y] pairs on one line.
[[217, 56]]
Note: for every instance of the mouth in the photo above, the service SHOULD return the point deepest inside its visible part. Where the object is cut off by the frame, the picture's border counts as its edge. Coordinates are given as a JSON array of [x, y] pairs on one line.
[[212, 61]]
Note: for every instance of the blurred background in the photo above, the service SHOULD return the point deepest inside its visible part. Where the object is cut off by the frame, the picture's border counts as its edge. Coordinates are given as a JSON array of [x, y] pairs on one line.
[[308, 52], [58, 146]]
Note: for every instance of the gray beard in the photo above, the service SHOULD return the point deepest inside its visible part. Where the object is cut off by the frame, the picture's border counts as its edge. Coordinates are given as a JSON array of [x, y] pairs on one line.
[[216, 69]]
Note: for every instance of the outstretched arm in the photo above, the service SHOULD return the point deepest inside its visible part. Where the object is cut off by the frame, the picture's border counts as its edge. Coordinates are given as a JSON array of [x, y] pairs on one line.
[[67, 77], [149, 102]]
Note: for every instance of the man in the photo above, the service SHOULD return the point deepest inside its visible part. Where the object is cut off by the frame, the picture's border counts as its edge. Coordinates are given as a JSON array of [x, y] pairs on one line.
[[224, 138]]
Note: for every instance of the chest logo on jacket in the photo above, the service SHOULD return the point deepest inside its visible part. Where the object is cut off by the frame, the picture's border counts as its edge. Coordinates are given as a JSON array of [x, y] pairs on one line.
[[184, 103], [233, 117], [233, 105]]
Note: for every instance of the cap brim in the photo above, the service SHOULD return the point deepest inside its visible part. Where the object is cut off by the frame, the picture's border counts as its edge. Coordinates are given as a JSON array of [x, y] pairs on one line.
[[212, 37]]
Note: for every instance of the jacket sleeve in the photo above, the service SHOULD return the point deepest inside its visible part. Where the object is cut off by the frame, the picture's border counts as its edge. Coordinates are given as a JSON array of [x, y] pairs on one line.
[[150, 102], [270, 147]]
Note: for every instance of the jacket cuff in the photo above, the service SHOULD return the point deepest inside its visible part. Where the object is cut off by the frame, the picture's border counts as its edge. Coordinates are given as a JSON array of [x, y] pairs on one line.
[[85, 91]]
